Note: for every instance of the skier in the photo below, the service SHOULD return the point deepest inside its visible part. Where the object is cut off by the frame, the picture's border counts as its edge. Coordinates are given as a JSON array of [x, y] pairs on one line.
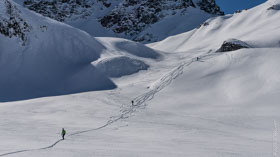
[[63, 133], [197, 58], [132, 103]]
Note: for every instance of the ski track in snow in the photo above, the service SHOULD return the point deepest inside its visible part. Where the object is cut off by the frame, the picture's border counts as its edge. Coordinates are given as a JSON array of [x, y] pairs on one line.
[[138, 101]]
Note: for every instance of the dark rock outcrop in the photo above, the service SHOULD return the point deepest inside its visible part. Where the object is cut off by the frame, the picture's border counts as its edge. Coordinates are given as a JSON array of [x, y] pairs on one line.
[[232, 45], [60, 9], [210, 7], [132, 16], [12, 25]]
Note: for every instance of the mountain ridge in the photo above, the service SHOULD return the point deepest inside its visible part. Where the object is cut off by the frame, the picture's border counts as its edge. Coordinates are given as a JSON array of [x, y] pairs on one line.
[[129, 19]]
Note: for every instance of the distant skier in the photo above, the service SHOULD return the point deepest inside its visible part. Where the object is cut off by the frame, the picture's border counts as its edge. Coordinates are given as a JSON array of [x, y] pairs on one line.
[[132, 103], [63, 133], [197, 58]]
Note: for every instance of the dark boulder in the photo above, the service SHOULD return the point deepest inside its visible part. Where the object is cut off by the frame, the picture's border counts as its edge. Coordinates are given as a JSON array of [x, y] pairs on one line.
[[232, 45]]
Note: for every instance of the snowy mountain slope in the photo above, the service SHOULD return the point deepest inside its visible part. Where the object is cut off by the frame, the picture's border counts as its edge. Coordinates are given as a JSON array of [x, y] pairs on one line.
[[226, 105], [137, 20], [174, 24], [41, 65], [258, 27], [47, 57]]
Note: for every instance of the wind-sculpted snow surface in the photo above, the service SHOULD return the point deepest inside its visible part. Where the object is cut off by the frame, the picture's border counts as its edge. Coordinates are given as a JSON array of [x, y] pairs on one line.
[[55, 60], [120, 65], [124, 57], [119, 46], [137, 49]]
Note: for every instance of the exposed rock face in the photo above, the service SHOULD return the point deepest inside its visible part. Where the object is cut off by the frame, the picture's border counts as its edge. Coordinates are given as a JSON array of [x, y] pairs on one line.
[[60, 9], [126, 17], [232, 45], [11, 24], [132, 16], [210, 6]]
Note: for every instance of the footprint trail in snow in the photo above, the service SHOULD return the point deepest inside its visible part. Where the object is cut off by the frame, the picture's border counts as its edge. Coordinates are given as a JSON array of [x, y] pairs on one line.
[[138, 101]]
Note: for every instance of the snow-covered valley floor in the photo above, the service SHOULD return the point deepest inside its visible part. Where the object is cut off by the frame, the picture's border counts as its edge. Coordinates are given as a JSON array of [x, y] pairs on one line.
[[193, 116]]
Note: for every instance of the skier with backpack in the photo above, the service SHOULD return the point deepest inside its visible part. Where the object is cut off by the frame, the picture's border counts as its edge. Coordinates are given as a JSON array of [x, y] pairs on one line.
[[63, 133]]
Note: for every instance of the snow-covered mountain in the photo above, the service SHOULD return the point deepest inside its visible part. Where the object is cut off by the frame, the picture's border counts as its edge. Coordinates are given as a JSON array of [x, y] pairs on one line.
[[257, 27], [143, 21], [47, 57], [210, 92]]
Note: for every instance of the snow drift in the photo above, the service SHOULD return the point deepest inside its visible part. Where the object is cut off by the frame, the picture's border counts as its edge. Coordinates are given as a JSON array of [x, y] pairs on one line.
[[123, 46], [120, 65], [124, 57]]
